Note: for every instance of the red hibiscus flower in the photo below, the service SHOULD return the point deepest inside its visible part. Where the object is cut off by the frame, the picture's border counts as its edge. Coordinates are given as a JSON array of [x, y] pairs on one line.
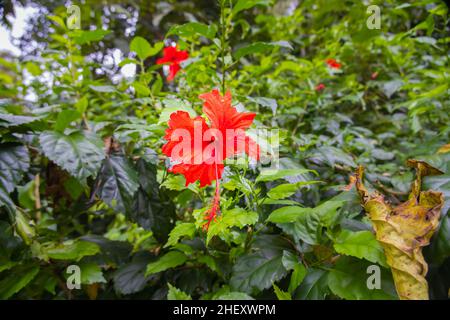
[[320, 87], [190, 161], [198, 149], [230, 123], [173, 56], [333, 64]]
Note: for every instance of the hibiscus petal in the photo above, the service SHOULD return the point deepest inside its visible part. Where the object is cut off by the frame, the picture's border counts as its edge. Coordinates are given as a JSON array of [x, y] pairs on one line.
[[206, 173], [173, 56], [182, 131], [162, 60], [222, 115], [333, 63], [252, 148], [243, 143], [181, 56], [225, 138], [173, 70]]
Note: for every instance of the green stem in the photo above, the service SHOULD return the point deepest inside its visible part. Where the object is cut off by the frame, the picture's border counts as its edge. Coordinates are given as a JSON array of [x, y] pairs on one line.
[[248, 239], [73, 72], [222, 42]]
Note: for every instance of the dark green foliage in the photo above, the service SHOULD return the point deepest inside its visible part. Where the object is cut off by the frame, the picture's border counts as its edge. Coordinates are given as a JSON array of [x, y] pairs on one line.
[[83, 180]]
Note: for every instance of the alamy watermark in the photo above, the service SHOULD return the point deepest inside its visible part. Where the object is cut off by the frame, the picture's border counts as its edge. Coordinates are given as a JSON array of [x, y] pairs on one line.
[[213, 146], [374, 20], [374, 280], [74, 17], [74, 278]]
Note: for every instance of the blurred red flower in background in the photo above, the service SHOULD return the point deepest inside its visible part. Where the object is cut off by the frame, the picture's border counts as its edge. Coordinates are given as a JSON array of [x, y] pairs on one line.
[[333, 64], [320, 87], [173, 57]]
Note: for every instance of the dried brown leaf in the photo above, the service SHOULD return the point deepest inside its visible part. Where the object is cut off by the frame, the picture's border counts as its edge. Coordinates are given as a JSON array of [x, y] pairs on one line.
[[404, 230]]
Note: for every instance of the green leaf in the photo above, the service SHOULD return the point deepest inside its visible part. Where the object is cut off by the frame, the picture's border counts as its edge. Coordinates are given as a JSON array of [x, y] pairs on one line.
[[440, 247], [288, 214], [314, 286], [73, 187], [151, 209], [87, 36], [91, 273], [24, 226], [175, 182], [275, 174], [281, 295], [288, 189], [289, 260], [119, 183], [262, 267], [17, 280], [170, 260], [426, 40], [156, 48], [176, 294], [305, 228], [11, 120], [266, 102], [308, 226], [297, 277], [259, 47], [82, 104], [247, 4], [33, 68], [310, 221], [72, 250], [9, 243], [348, 280], [79, 153], [128, 61], [380, 154], [332, 156], [236, 217], [285, 202], [440, 10], [327, 212], [130, 278], [6, 201], [64, 118], [360, 244], [141, 47], [58, 20], [193, 28], [174, 105], [104, 89], [14, 162], [391, 87], [141, 89], [234, 296], [7, 265], [185, 229], [210, 262]]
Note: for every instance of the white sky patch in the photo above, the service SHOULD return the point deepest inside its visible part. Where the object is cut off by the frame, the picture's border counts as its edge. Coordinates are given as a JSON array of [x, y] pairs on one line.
[[19, 23], [117, 56], [128, 70]]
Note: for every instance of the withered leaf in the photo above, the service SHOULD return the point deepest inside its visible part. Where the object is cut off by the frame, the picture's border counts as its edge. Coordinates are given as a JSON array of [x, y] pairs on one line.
[[404, 230]]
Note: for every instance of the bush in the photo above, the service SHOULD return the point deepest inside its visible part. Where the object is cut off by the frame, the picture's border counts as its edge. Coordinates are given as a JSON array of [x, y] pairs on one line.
[[86, 184]]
